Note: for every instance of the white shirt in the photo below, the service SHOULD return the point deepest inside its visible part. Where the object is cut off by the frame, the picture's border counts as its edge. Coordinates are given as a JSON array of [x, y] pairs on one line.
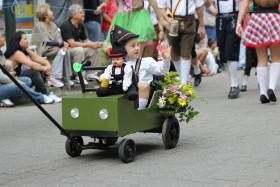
[[181, 10], [127, 78], [150, 67], [226, 6]]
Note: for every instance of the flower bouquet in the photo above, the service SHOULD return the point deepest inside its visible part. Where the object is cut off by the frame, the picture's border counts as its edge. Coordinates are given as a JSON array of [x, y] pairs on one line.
[[176, 98]]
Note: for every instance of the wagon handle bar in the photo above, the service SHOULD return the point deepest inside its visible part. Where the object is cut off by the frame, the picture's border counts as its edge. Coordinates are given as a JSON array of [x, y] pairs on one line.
[[39, 106]]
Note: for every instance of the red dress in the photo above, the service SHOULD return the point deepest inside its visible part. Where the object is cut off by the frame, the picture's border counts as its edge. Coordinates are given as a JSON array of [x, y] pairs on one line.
[[110, 9], [263, 29]]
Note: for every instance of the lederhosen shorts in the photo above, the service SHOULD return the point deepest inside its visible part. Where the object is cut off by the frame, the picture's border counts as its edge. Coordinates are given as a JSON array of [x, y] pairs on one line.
[[183, 43], [227, 40]]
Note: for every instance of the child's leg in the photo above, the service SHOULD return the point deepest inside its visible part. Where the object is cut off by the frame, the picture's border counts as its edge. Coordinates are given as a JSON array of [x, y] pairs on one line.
[[144, 93]]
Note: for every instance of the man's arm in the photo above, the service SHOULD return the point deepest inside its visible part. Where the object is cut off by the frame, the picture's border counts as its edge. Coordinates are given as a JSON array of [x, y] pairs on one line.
[[200, 13]]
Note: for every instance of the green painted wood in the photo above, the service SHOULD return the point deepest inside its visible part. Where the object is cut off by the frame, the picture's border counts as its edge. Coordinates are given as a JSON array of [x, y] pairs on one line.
[[89, 106], [123, 117]]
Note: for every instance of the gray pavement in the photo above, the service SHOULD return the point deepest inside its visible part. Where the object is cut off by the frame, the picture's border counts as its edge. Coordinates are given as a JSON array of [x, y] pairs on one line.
[[231, 143]]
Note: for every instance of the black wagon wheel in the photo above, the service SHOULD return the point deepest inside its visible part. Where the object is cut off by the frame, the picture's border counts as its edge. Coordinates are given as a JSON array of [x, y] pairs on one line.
[[110, 141], [71, 148], [170, 132], [127, 150]]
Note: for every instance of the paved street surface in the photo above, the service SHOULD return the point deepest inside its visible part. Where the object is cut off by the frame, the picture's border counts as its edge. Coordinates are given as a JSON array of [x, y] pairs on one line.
[[231, 143]]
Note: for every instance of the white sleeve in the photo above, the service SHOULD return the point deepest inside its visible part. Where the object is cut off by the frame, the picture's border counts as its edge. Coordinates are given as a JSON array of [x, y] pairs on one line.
[[161, 3], [198, 3], [158, 68], [107, 73], [127, 78]]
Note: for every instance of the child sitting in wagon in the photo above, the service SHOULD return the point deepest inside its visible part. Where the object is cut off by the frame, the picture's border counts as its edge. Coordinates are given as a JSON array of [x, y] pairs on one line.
[[117, 77], [146, 67]]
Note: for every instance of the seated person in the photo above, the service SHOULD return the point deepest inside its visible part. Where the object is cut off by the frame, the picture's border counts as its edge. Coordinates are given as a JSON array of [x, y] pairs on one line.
[[8, 90], [74, 33], [117, 77], [47, 38], [29, 64], [148, 66], [207, 62]]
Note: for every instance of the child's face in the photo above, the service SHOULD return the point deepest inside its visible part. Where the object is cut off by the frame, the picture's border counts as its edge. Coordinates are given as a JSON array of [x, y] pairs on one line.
[[133, 48], [117, 61]]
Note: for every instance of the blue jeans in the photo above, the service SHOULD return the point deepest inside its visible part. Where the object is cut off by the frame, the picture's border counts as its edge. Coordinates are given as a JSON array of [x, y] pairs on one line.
[[11, 91], [211, 32], [93, 28]]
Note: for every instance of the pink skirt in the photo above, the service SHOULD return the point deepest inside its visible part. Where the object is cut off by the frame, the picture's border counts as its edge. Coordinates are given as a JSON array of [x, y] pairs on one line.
[[263, 29]]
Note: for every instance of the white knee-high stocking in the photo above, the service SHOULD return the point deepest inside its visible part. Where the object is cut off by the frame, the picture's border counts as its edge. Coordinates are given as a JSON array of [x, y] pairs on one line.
[[185, 70], [274, 74], [262, 73], [142, 103], [231, 68]]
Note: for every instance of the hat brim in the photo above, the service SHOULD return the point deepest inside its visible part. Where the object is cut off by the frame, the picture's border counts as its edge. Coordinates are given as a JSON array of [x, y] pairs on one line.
[[127, 37], [112, 53]]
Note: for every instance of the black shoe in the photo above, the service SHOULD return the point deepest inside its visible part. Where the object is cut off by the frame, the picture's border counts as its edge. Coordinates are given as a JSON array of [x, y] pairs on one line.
[[234, 92], [264, 99], [243, 88], [197, 80], [271, 95]]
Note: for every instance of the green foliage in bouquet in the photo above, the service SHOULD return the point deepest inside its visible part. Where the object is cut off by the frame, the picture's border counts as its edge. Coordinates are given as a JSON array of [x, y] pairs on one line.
[[177, 98]]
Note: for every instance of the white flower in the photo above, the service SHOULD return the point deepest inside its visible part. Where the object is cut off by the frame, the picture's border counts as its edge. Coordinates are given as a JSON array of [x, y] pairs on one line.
[[161, 102]]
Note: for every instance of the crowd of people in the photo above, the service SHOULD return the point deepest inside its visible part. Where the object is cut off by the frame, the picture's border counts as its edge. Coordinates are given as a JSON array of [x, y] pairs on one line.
[[205, 36]]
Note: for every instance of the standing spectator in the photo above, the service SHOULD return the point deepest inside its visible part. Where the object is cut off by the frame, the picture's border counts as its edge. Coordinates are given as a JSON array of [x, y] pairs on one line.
[[209, 20], [92, 19], [109, 9], [133, 17], [74, 33], [47, 37], [29, 63], [228, 41], [182, 34], [263, 33]]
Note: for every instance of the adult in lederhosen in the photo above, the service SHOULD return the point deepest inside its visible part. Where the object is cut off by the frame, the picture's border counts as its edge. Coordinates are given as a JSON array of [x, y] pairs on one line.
[[182, 31], [228, 41]]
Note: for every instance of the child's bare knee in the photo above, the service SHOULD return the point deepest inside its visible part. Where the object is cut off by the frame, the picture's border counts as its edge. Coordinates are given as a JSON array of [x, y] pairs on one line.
[[142, 85]]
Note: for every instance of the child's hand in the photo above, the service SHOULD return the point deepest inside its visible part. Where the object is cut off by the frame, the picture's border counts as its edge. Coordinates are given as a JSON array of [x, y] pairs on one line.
[[166, 51]]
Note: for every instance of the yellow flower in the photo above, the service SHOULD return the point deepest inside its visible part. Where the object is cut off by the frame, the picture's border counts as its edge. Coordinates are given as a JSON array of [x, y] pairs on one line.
[[171, 100], [189, 89], [182, 102]]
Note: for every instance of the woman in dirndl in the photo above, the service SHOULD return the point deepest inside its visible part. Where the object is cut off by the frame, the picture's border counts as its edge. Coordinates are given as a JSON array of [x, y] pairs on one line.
[[133, 17], [263, 33]]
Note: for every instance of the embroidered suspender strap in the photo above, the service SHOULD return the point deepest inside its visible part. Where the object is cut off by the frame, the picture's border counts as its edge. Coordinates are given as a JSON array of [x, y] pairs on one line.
[[187, 7], [113, 71], [176, 6], [137, 66], [234, 6]]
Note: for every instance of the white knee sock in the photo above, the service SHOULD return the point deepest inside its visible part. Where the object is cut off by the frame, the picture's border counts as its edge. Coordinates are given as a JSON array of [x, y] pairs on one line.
[[142, 103], [177, 65], [232, 72], [245, 80], [262, 73], [196, 69], [185, 70], [274, 74]]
